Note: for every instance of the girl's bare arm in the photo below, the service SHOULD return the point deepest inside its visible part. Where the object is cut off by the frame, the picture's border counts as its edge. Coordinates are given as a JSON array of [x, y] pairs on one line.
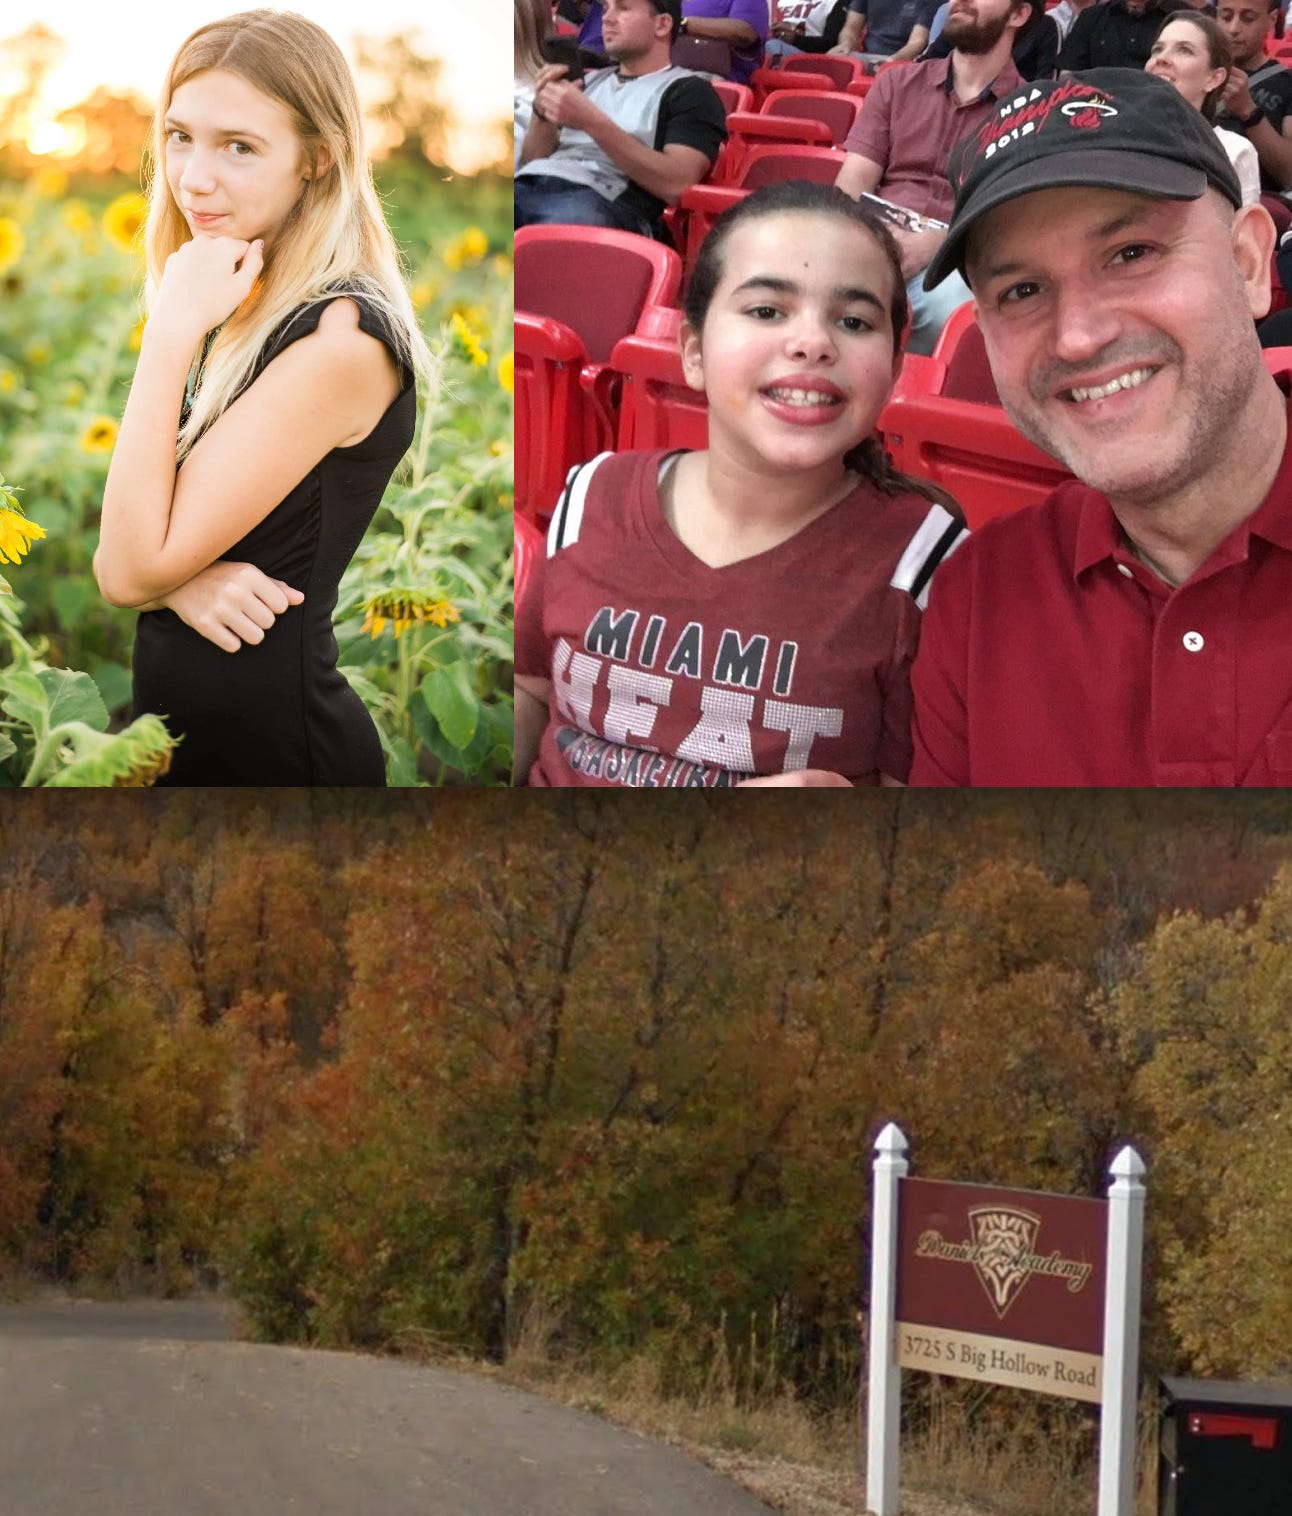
[[532, 697], [327, 390]]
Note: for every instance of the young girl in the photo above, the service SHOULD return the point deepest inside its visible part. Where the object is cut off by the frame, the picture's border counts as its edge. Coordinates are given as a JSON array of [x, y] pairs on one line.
[[274, 395], [703, 618]]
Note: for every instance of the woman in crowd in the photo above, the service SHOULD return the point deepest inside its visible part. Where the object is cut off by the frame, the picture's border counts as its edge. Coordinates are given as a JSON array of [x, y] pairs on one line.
[[533, 23], [1192, 53]]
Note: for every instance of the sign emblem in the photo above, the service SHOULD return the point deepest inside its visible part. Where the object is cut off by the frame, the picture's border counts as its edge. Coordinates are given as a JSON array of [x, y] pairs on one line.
[[1004, 1243]]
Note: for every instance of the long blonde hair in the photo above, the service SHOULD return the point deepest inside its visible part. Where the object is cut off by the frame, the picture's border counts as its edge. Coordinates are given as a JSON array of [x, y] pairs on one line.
[[335, 238], [533, 23]]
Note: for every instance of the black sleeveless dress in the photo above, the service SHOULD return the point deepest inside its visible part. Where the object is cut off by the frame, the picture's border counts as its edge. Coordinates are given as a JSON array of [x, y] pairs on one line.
[[280, 712]]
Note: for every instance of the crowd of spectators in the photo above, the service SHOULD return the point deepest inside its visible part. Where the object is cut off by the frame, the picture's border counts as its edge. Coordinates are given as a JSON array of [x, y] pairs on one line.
[[619, 144]]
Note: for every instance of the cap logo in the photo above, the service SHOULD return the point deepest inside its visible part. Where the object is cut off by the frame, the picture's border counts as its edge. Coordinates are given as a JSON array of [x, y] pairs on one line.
[[1075, 108], [1025, 113], [1088, 115]]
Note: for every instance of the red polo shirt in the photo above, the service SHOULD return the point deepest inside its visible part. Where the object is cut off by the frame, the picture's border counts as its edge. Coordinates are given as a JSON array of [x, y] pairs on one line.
[[908, 124], [1050, 655]]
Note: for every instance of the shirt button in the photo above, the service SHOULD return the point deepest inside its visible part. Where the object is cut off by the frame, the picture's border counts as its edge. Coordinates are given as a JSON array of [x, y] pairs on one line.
[[1192, 641], [1125, 568]]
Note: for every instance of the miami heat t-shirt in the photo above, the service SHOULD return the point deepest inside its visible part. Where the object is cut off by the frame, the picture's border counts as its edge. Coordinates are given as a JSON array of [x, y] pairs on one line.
[[667, 673]]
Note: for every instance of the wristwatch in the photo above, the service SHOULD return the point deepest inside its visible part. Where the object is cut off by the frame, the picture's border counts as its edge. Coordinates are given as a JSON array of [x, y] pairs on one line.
[[1250, 121], [682, 26]]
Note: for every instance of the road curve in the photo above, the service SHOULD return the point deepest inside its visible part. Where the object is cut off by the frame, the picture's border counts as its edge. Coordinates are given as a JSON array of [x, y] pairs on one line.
[[150, 1409]]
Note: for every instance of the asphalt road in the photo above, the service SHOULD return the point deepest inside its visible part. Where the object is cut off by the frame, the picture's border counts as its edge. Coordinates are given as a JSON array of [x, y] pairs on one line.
[[151, 1409]]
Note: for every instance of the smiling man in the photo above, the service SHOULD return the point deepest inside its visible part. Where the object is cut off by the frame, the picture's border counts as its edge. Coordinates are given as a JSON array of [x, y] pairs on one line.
[[1133, 629]]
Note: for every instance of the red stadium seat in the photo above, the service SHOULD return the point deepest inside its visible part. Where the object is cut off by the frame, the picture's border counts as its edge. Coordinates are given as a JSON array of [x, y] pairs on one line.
[[659, 408], [805, 71], [594, 280], [945, 424], [767, 164], [529, 545], [548, 410], [843, 70], [734, 97], [836, 108], [746, 130], [659, 321], [961, 348], [690, 220], [766, 82], [578, 290]]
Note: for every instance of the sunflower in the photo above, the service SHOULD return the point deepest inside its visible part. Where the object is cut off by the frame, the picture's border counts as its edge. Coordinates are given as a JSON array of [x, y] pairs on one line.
[[130, 759], [17, 535], [51, 183], [12, 243], [8, 381], [136, 338], [466, 250], [426, 290], [404, 608], [507, 372], [76, 218], [100, 436], [123, 221], [466, 341]]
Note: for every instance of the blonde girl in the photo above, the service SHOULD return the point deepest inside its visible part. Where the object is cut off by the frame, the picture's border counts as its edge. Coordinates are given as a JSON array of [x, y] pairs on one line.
[[274, 396]]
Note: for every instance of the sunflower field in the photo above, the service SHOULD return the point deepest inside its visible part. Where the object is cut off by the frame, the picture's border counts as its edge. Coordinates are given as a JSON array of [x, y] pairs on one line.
[[424, 617]]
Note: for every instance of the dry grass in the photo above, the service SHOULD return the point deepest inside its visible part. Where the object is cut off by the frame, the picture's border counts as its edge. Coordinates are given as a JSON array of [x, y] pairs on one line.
[[977, 1451]]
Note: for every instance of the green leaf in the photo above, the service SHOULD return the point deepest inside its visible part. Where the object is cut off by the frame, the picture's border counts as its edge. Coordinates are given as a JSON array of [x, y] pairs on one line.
[[364, 687], [73, 697], [114, 684], [71, 597], [452, 700], [363, 651], [491, 744], [401, 763], [24, 698]]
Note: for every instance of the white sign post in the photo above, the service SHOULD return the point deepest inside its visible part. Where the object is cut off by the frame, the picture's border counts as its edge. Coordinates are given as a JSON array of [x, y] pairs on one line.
[[1121, 1336], [1121, 1313], [884, 1401]]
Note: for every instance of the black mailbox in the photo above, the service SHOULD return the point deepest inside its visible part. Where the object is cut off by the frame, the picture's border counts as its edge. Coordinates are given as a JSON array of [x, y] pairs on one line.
[[1226, 1449]]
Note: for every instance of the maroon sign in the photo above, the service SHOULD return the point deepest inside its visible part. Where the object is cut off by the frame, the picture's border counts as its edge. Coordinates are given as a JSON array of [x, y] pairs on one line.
[[1005, 1286], [1002, 1263]]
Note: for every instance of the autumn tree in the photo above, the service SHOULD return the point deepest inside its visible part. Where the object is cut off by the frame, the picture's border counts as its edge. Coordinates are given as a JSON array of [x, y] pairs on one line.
[[1202, 1027]]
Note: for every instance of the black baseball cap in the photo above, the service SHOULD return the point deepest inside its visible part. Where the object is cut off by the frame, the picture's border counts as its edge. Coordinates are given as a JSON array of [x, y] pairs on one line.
[[1116, 128]]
